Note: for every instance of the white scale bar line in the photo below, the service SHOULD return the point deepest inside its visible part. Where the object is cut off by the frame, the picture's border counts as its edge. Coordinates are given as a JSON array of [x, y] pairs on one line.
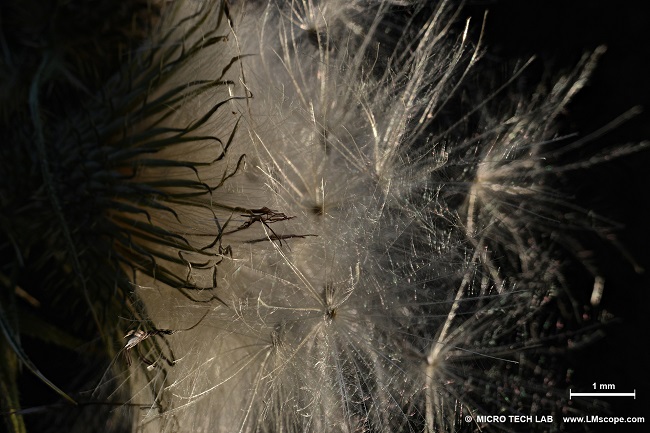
[[602, 394]]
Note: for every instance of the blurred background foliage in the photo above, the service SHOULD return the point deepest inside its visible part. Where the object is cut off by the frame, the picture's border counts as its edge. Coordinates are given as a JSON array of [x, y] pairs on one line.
[[59, 292]]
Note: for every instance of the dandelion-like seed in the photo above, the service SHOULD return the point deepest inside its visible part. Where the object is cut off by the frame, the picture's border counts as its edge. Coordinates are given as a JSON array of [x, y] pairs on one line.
[[358, 298], [373, 255]]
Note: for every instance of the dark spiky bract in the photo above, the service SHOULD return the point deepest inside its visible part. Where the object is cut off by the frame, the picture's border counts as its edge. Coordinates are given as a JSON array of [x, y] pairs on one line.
[[79, 130]]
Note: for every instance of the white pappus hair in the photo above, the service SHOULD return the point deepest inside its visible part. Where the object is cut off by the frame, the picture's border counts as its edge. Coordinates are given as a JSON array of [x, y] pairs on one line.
[[333, 231]]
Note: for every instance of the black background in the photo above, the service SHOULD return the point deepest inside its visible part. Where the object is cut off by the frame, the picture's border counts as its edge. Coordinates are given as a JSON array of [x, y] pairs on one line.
[[558, 33]]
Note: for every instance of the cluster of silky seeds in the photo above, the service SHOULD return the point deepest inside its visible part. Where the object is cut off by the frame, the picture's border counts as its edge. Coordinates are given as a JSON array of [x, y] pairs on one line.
[[312, 225], [380, 273]]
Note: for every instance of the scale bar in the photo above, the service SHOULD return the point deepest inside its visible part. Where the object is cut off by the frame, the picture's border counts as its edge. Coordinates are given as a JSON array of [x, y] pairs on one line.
[[602, 394]]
